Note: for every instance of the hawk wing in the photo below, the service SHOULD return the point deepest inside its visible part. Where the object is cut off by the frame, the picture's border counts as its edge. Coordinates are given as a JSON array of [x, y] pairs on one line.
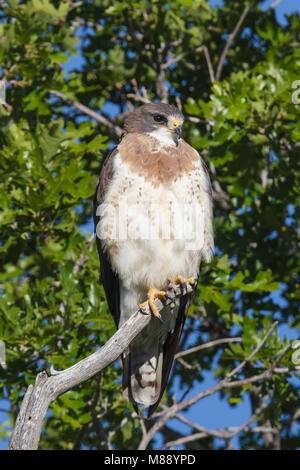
[[108, 277]]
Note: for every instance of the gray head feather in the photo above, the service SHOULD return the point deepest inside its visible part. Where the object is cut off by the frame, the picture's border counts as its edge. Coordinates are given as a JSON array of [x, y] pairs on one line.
[[141, 120]]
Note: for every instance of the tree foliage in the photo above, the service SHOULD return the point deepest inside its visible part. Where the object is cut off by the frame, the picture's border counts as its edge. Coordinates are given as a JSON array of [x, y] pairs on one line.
[[73, 70]]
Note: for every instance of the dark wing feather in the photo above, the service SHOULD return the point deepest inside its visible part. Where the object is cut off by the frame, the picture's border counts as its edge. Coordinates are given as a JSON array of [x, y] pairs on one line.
[[108, 277], [171, 345]]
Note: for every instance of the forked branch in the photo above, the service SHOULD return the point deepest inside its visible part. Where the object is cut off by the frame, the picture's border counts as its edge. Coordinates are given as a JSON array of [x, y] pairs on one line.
[[38, 398]]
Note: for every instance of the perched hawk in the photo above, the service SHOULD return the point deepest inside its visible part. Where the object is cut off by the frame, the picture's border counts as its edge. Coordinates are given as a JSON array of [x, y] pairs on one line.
[[153, 223]]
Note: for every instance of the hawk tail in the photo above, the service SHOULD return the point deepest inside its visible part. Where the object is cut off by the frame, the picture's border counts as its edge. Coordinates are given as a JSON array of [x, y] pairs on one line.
[[142, 372], [147, 362]]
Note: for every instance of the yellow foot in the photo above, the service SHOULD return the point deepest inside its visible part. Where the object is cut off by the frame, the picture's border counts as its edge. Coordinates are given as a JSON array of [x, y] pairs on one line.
[[182, 280], [153, 294]]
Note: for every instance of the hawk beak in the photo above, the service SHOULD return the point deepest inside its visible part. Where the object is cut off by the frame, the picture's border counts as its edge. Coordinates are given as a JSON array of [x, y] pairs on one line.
[[178, 131], [177, 127]]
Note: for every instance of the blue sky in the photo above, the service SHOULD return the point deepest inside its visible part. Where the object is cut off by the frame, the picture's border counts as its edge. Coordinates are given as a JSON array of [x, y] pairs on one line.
[[211, 412], [283, 7]]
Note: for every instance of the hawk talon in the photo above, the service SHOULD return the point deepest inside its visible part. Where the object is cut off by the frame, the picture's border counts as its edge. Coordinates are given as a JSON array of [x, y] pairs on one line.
[[143, 306], [181, 280], [169, 298], [183, 286], [153, 294], [158, 315]]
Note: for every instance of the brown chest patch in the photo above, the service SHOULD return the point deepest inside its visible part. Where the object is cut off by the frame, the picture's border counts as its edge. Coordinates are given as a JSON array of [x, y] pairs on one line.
[[156, 162]]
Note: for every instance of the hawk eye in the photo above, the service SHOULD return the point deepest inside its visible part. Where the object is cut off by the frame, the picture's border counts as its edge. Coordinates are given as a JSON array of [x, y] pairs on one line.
[[158, 118]]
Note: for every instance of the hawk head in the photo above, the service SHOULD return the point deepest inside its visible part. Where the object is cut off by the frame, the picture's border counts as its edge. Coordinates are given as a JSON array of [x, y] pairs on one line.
[[159, 120]]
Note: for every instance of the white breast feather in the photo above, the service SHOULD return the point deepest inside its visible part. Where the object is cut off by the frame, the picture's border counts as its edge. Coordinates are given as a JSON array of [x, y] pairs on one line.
[[140, 232]]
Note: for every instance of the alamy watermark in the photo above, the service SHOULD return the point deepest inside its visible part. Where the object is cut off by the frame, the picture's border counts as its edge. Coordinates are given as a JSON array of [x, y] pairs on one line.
[[2, 354], [143, 221], [296, 353], [296, 94], [2, 92]]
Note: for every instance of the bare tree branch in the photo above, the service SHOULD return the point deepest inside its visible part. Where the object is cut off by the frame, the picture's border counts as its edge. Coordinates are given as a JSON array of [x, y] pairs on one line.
[[89, 112], [184, 440], [218, 194], [162, 90], [137, 96], [226, 433], [209, 64], [28, 426], [210, 344], [174, 409], [224, 383], [230, 41], [274, 4], [255, 351], [177, 58]]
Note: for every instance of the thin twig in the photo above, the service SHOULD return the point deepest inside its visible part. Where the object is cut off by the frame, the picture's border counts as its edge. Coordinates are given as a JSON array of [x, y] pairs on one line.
[[162, 90], [226, 433], [218, 194], [255, 351], [188, 366], [210, 344], [137, 96], [178, 102], [184, 440], [191, 401], [177, 58], [224, 383], [89, 112], [230, 41], [274, 4], [209, 64]]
